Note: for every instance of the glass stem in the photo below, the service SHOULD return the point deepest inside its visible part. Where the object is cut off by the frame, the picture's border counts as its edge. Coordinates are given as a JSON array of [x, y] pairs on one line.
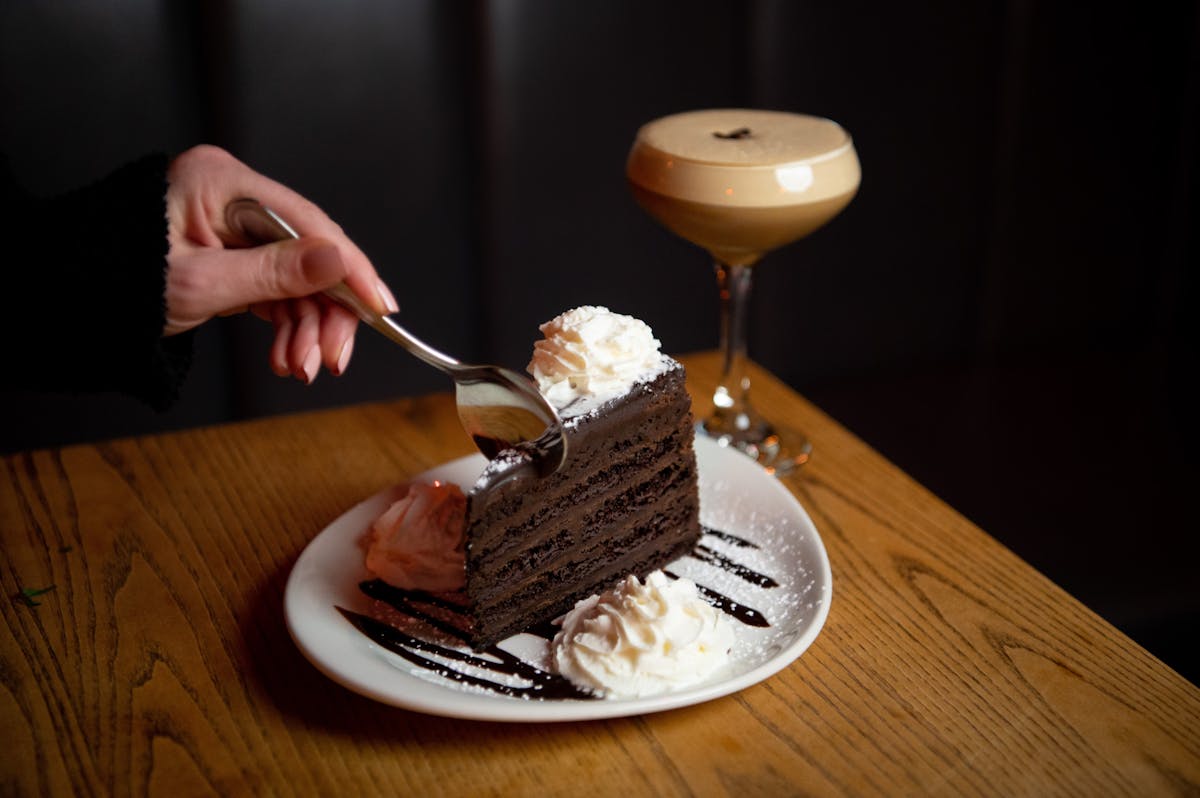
[[732, 396]]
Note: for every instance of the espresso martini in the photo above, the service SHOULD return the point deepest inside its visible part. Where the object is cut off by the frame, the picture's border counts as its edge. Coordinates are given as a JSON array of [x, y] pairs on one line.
[[741, 183]]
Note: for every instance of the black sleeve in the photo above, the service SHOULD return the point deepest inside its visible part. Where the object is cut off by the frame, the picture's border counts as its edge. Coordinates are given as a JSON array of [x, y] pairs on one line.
[[84, 279]]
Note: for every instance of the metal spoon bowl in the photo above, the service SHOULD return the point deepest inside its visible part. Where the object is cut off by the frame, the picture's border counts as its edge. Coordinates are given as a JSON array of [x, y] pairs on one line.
[[498, 407]]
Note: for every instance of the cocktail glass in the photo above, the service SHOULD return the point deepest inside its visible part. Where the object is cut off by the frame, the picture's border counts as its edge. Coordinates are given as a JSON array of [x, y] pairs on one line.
[[741, 183]]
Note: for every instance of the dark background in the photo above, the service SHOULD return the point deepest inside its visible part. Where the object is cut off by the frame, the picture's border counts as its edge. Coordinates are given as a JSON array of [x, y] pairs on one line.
[[1006, 310]]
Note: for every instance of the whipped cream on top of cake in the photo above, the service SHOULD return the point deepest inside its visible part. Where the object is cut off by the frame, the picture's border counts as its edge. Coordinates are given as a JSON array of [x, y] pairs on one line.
[[641, 639], [590, 355], [418, 543]]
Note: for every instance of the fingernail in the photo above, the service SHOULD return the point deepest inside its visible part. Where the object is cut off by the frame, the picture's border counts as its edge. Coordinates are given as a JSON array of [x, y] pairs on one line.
[[385, 296], [344, 356], [311, 364], [279, 364]]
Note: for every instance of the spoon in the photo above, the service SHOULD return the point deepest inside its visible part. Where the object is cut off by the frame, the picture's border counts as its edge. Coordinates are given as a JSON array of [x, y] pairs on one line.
[[499, 408]]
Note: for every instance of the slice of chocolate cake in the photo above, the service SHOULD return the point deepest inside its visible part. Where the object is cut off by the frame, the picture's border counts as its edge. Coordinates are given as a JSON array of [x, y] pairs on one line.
[[625, 502]]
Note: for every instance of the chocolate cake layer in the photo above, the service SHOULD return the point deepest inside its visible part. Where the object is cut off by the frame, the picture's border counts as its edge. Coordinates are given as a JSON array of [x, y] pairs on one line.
[[625, 502]]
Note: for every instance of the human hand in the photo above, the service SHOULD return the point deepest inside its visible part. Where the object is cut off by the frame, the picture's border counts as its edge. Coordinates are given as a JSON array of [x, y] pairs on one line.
[[212, 272]]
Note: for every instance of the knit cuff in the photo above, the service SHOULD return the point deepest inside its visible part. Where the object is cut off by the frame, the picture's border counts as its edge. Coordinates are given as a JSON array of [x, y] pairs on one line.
[[95, 262]]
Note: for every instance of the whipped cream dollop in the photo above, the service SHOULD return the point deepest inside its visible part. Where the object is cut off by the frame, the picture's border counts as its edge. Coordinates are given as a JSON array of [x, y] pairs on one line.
[[641, 639], [418, 542], [594, 354]]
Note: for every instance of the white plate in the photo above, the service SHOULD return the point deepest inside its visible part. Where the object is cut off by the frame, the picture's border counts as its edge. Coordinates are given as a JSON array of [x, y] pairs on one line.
[[736, 497]]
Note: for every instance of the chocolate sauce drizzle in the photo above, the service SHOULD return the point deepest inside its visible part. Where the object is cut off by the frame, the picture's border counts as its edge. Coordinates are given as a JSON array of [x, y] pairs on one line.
[[406, 600], [705, 554], [747, 615], [540, 683], [741, 543]]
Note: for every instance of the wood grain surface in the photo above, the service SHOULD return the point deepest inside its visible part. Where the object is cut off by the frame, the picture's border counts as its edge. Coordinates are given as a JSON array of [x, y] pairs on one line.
[[159, 662]]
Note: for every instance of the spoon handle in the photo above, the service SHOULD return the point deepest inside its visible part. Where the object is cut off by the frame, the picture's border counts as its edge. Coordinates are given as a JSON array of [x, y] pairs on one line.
[[254, 221]]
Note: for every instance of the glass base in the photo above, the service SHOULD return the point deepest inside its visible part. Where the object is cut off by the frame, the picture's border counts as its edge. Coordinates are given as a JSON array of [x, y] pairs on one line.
[[756, 438]]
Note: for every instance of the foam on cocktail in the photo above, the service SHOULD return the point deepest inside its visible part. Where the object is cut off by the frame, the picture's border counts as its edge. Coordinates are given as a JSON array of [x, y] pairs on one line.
[[745, 158], [741, 183]]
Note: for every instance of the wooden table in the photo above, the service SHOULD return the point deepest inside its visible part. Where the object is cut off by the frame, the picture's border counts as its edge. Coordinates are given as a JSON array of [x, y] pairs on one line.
[[160, 663]]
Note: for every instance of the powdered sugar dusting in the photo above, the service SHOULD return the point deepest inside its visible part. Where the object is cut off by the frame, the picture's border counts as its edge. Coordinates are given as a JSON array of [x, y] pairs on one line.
[[507, 460]]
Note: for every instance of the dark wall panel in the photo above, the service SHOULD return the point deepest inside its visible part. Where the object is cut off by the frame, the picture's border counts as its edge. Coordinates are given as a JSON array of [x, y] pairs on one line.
[[568, 84], [1095, 167], [891, 283], [360, 107], [87, 86], [1028, 172]]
